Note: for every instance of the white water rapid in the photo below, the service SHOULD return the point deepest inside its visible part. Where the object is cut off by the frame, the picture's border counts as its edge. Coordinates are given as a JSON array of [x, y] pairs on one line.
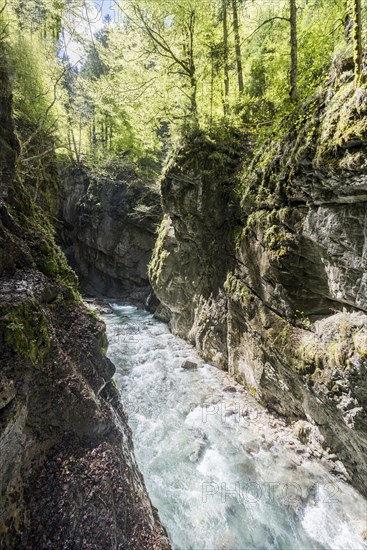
[[223, 473]]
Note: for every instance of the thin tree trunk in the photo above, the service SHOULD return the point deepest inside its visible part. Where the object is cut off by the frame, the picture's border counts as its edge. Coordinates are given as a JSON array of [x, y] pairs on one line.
[[357, 38], [193, 82], [194, 105], [187, 64], [106, 131], [94, 132], [294, 52], [225, 55], [211, 88], [71, 133], [237, 39], [80, 137], [69, 143]]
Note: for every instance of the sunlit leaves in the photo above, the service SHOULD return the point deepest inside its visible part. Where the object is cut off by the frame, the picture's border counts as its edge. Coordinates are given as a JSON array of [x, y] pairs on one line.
[[137, 80]]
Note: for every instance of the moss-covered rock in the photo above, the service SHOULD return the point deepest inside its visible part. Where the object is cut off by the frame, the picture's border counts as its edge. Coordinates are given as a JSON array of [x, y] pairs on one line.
[[62, 425], [26, 331], [194, 248], [275, 290]]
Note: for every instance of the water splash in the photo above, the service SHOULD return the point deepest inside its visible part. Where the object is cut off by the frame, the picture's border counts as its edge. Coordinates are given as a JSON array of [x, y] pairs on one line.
[[222, 473]]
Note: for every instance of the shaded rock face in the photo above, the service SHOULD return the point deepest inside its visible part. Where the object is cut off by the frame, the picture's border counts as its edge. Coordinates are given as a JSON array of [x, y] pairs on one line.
[[194, 250], [286, 310], [68, 473], [108, 230]]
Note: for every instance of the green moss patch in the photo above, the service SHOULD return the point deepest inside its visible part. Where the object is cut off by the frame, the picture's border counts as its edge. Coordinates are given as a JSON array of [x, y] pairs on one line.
[[160, 254], [27, 332], [237, 290], [39, 236]]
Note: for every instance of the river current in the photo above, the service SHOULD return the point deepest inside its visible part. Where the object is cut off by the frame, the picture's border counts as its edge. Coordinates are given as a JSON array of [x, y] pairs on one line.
[[222, 472]]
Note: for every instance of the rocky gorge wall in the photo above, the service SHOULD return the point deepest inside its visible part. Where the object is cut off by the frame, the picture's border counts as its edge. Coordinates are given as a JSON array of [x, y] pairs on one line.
[[107, 229], [273, 289], [68, 473]]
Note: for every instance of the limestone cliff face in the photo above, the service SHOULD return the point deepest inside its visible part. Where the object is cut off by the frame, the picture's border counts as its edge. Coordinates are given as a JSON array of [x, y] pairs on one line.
[[68, 474], [282, 303], [108, 229], [193, 252]]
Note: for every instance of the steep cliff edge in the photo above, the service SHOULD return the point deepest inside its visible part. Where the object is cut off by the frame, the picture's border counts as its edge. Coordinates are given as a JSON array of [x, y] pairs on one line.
[[279, 298], [107, 228], [68, 474]]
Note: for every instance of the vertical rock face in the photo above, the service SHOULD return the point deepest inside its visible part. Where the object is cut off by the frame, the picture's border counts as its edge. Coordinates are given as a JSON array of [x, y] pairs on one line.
[[68, 474], [281, 301], [193, 252], [108, 229]]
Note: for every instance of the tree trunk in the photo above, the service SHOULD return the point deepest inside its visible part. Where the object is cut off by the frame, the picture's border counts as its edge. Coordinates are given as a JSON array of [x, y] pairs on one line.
[[294, 52], [80, 137], [71, 133], [192, 67], [106, 131], [237, 39], [357, 37], [225, 56], [211, 87], [193, 93], [94, 131], [186, 64]]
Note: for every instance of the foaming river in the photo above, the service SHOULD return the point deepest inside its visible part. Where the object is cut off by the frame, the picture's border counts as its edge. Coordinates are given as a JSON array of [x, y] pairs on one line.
[[222, 472]]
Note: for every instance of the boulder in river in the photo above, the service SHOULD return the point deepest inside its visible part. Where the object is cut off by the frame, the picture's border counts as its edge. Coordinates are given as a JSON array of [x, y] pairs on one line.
[[189, 365], [230, 389]]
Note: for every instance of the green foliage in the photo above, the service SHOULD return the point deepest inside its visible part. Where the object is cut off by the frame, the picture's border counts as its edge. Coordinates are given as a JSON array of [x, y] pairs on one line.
[[345, 120], [36, 226], [252, 390], [31, 36], [237, 290], [160, 253], [360, 342], [159, 69], [27, 332], [271, 222]]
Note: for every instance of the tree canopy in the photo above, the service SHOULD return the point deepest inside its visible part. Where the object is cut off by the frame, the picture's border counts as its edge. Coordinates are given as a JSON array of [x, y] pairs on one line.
[[127, 83]]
